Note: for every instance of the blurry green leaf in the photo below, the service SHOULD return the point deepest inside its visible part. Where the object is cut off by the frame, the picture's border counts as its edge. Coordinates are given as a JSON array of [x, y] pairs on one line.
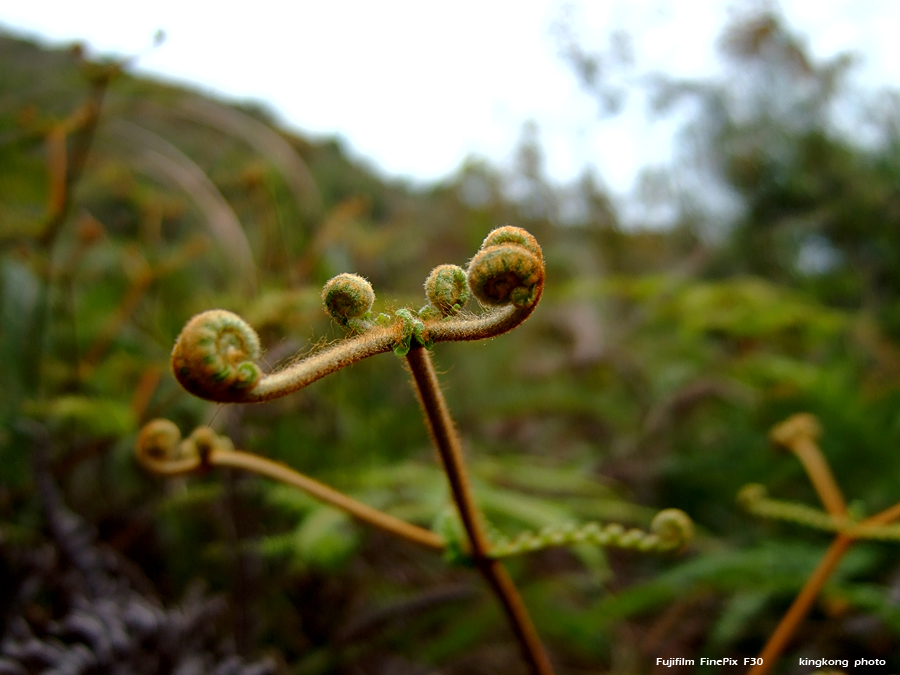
[[20, 292], [752, 307], [870, 598], [741, 609], [193, 493], [95, 416], [525, 473], [324, 539]]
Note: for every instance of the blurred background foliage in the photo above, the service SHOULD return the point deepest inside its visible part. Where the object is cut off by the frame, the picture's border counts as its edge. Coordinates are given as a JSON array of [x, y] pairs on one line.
[[648, 378]]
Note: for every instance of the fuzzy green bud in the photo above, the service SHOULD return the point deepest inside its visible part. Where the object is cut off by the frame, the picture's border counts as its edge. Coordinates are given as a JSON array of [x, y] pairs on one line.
[[348, 297], [509, 269], [446, 289]]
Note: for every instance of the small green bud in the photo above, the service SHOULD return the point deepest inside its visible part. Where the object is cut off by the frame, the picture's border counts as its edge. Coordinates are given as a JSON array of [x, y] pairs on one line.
[[504, 274], [348, 297], [446, 289]]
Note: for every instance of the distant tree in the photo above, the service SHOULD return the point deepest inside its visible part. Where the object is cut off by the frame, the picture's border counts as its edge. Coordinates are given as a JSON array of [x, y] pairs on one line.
[[809, 164]]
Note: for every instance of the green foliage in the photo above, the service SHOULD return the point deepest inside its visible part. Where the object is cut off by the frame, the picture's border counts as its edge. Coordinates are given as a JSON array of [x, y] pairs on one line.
[[90, 415]]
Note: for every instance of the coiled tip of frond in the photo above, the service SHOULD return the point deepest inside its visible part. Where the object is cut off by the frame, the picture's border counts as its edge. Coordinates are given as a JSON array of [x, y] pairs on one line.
[[214, 356], [795, 428], [509, 268], [674, 528], [160, 448], [751, 494], [348, 297], [446, 289], [158, 442], [509, 234]]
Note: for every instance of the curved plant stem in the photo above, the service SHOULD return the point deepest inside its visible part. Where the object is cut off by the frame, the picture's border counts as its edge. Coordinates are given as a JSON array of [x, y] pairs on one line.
[[317, 490], [820, 475], [443, 432]]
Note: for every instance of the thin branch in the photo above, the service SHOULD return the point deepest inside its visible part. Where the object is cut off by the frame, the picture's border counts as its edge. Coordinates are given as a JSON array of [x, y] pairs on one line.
[[161, 450], [320, 491], [799, 433]]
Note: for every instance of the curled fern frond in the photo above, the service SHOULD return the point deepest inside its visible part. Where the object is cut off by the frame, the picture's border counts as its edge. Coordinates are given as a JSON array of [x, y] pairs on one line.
[[349, 299], [674, 528], [795, 428], [158, 443], [509, 268], [214, 356], [507, 276], [161, 450], [447, 290], [754, 499], [509, 234], [671, 529]]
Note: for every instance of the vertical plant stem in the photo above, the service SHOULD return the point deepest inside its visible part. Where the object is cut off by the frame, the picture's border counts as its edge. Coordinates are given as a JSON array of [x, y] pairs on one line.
[[443, 433], [801, 605], [64, 169]]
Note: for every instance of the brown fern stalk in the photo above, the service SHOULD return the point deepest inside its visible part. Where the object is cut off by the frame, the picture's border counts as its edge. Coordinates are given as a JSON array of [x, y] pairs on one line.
[[443, 433], [801, 605], [215, 358], [810, 591], [799, 434], [161, 451]]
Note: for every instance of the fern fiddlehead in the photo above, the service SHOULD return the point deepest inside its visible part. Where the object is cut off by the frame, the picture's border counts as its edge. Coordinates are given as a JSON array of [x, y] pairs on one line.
[[214, 356], [447, 291], [670, 530], [214, 359], [348, 298], [161, 450]]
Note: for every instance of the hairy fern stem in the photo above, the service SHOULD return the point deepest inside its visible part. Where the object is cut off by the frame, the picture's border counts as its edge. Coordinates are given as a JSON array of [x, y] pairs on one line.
[[446, 440]]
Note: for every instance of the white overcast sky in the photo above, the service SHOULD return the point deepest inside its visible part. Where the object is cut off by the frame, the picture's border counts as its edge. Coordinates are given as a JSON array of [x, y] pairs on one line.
[[415, 86]]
